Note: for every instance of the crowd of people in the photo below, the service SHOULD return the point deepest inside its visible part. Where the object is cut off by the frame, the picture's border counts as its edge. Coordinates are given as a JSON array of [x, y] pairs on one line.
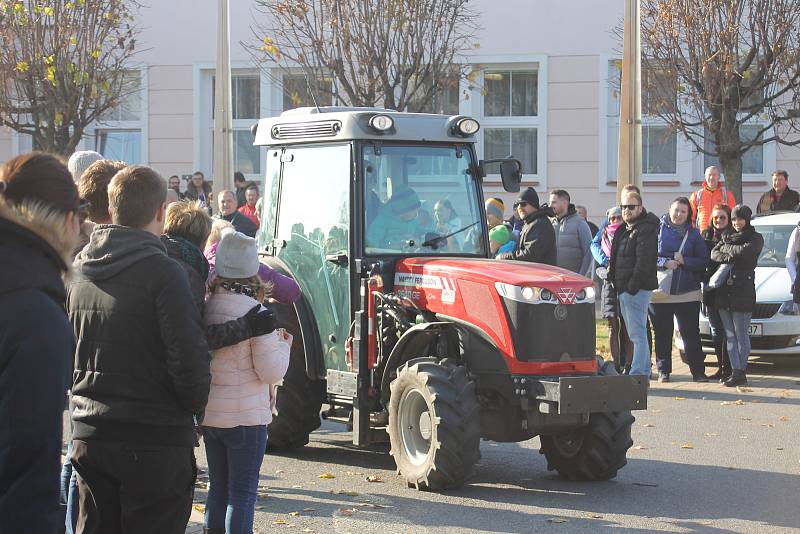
[[657, 272], [167, 336], [158, 324]]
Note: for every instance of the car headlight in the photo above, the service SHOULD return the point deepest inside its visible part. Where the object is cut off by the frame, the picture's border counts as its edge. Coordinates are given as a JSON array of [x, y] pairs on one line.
[[789, 308]]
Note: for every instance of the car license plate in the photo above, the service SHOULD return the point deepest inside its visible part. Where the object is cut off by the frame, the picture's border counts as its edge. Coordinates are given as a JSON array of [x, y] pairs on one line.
[[754, 329]]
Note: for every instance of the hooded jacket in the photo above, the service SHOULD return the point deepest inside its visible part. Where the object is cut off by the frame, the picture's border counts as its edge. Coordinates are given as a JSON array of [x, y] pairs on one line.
[[741, 250], [36, 347], [537, 239], [633, 255], [573, 238], [141, 363]]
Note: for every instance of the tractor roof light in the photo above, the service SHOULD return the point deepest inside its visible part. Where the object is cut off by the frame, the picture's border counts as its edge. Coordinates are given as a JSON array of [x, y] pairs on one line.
[[381, 123], [467, 127]]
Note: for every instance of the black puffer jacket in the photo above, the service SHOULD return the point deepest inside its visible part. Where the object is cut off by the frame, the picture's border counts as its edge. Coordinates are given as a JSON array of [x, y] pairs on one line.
[[141, 364], [711, 238], [36, 347], [537, 240], [634, 253], [741, 249]]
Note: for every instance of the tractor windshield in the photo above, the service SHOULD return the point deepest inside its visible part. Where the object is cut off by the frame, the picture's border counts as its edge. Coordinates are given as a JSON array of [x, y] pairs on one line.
[[421, 199]]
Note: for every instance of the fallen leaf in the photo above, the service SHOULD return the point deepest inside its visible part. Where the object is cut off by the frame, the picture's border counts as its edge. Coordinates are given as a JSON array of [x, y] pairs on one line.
[[354, 473], [778, 448], [648, 425], [374, 478], [327, 475], [590, 515], [783, 418], [199, 507], [294, 514], [712, 434], [557, 520], [309, 509], [279, 471], [370, 505], [347, 511], [640, 448], [742, 389], [279, 522], [680, 398], [307, 530], [737, 402], [687, 446], [297, 486]]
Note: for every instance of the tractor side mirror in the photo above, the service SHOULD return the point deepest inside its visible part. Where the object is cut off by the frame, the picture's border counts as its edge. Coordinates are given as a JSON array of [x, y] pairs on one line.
[[510, 172]]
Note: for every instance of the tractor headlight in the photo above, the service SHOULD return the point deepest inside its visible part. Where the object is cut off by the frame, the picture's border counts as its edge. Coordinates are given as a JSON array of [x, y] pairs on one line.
[[524, 294], [547, 295], [467, 127], [587, 294], [381, 123], [528, 293]]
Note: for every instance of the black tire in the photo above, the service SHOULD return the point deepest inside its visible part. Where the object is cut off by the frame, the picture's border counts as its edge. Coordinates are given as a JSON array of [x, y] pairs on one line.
[[299, 399], [443, 395], [594, 452]]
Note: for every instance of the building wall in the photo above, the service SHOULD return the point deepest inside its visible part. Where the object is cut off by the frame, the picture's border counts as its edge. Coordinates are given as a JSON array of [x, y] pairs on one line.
[[570, 43]]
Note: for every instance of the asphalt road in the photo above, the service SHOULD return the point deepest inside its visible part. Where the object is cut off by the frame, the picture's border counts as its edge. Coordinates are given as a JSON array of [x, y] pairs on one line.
[[705, 459]]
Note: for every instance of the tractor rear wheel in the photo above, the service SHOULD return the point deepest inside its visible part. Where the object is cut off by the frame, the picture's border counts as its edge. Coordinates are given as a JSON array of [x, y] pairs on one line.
[[299, 398], [594, 452], [434, 425]]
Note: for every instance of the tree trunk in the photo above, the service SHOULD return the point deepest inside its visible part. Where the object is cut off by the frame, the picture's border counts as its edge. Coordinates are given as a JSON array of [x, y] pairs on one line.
[[729, 148]]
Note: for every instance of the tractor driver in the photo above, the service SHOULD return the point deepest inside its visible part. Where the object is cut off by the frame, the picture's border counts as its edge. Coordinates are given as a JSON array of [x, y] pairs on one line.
[[397, 224]]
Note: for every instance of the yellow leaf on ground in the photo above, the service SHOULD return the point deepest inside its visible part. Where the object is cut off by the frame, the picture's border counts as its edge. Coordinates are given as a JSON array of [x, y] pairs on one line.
[[783, 418], [294, 514], [590, 515], [279, 522], [199, 507], [309, 510], [348, 493], [374, 478], [640, 447], [680, 398], [742, 389], [648, 425], [327, 475], [687, 446]]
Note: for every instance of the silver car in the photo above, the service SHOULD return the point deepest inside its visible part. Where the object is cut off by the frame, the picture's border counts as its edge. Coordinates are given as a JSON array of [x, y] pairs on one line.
[[775, 325]]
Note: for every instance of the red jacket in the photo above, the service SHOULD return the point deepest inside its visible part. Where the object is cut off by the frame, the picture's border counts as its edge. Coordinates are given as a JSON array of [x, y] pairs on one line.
[[250, 213]]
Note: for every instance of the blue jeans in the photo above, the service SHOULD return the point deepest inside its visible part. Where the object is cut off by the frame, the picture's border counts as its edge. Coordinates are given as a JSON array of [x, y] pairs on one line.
[[736, 324], [634, 312], [234, 458], [69, 492]]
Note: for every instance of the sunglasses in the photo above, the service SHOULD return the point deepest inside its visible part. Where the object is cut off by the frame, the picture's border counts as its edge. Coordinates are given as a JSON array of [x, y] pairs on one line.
[[522, 204], [722, 217], [629, 207]]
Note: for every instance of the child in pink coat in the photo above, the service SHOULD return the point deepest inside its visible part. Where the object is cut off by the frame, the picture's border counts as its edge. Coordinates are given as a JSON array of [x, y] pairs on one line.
[[243, 379]]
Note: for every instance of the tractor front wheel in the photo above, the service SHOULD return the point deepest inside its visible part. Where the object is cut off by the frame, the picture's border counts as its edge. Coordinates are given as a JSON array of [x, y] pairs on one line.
[[434, 424]]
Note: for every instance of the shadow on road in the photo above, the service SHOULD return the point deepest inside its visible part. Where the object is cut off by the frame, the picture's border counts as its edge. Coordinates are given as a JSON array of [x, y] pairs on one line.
[[725, 394]]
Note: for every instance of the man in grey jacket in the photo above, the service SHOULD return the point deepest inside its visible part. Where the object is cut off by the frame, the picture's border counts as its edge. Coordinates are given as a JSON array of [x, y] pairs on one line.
[[573, 235]]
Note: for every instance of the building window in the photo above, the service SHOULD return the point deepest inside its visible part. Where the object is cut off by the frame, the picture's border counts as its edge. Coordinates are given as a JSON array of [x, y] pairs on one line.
[[296, 94], [510, 120], [118, 133], [510, 93], [752, 160]]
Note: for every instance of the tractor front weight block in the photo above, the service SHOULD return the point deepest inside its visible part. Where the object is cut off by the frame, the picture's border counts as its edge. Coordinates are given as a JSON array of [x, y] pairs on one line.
[[582, 394]]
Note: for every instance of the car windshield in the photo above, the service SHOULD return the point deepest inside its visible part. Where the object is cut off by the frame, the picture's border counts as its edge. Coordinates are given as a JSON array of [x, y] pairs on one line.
[[421, 199], [776, 240]]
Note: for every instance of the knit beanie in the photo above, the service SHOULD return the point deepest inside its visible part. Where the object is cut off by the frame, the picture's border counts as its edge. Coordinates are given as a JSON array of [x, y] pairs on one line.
[[80, 161], [237, 256], [740, 211], [404, 199], [613, 210], [495, 206], [530, 196], [500, 234]]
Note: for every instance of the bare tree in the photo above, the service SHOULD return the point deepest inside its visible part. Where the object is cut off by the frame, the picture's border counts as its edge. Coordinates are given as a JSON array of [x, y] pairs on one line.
[[394, 53], [63, 64], [718, 67]]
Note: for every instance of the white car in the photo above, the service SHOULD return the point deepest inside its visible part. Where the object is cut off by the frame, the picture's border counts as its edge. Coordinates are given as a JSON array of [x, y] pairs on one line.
[[775, 325]]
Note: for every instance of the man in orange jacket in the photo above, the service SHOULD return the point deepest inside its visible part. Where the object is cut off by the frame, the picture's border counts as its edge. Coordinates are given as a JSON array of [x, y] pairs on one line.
[[705, 198]]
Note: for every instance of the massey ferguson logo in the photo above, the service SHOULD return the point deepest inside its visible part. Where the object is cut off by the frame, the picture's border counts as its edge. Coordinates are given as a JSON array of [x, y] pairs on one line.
[[566, 295]]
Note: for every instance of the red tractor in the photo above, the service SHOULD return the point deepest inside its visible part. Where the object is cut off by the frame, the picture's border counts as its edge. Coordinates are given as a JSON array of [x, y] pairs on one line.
[[407, 330]]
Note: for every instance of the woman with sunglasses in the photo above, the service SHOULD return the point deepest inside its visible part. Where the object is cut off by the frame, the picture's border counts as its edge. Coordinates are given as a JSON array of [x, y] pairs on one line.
[[719, 227], [39, 222], [620, 344]]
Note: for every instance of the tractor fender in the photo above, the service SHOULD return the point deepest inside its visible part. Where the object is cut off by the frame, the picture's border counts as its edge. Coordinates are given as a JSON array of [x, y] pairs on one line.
[[409, 346], [307, 323]]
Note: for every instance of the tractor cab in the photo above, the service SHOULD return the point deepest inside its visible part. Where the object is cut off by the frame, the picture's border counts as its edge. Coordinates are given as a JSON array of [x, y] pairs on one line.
[[407, 329]]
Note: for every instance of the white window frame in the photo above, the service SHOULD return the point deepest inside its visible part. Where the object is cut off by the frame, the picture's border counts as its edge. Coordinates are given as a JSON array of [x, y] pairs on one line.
[[203, 156], [90, 137], [474, 106]]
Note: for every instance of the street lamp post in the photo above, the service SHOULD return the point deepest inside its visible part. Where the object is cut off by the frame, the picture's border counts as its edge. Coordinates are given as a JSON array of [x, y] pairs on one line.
[[223, 128], [629, 162]]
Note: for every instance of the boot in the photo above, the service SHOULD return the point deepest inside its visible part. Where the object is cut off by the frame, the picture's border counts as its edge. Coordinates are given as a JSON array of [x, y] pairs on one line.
[[738, 378]]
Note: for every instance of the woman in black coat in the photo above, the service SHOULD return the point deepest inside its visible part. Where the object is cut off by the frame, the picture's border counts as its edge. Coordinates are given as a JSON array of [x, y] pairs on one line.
[[736, 298], [39, 225], [720, 226]]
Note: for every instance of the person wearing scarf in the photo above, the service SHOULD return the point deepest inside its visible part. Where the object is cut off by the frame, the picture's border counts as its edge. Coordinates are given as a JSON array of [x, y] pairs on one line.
[[620, 344], [682, 250], [736, 299], [720, 226]]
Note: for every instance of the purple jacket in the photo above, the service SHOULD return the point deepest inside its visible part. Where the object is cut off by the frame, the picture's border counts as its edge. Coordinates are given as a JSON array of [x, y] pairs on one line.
[[284, 289], [695, 257]]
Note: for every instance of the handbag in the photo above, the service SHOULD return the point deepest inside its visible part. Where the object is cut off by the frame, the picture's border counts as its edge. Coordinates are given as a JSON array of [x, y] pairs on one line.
[[720, 276], [664, 277]]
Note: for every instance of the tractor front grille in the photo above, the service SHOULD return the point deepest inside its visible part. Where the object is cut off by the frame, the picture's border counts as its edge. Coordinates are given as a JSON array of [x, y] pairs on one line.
[[306, 129], [540, 333]]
